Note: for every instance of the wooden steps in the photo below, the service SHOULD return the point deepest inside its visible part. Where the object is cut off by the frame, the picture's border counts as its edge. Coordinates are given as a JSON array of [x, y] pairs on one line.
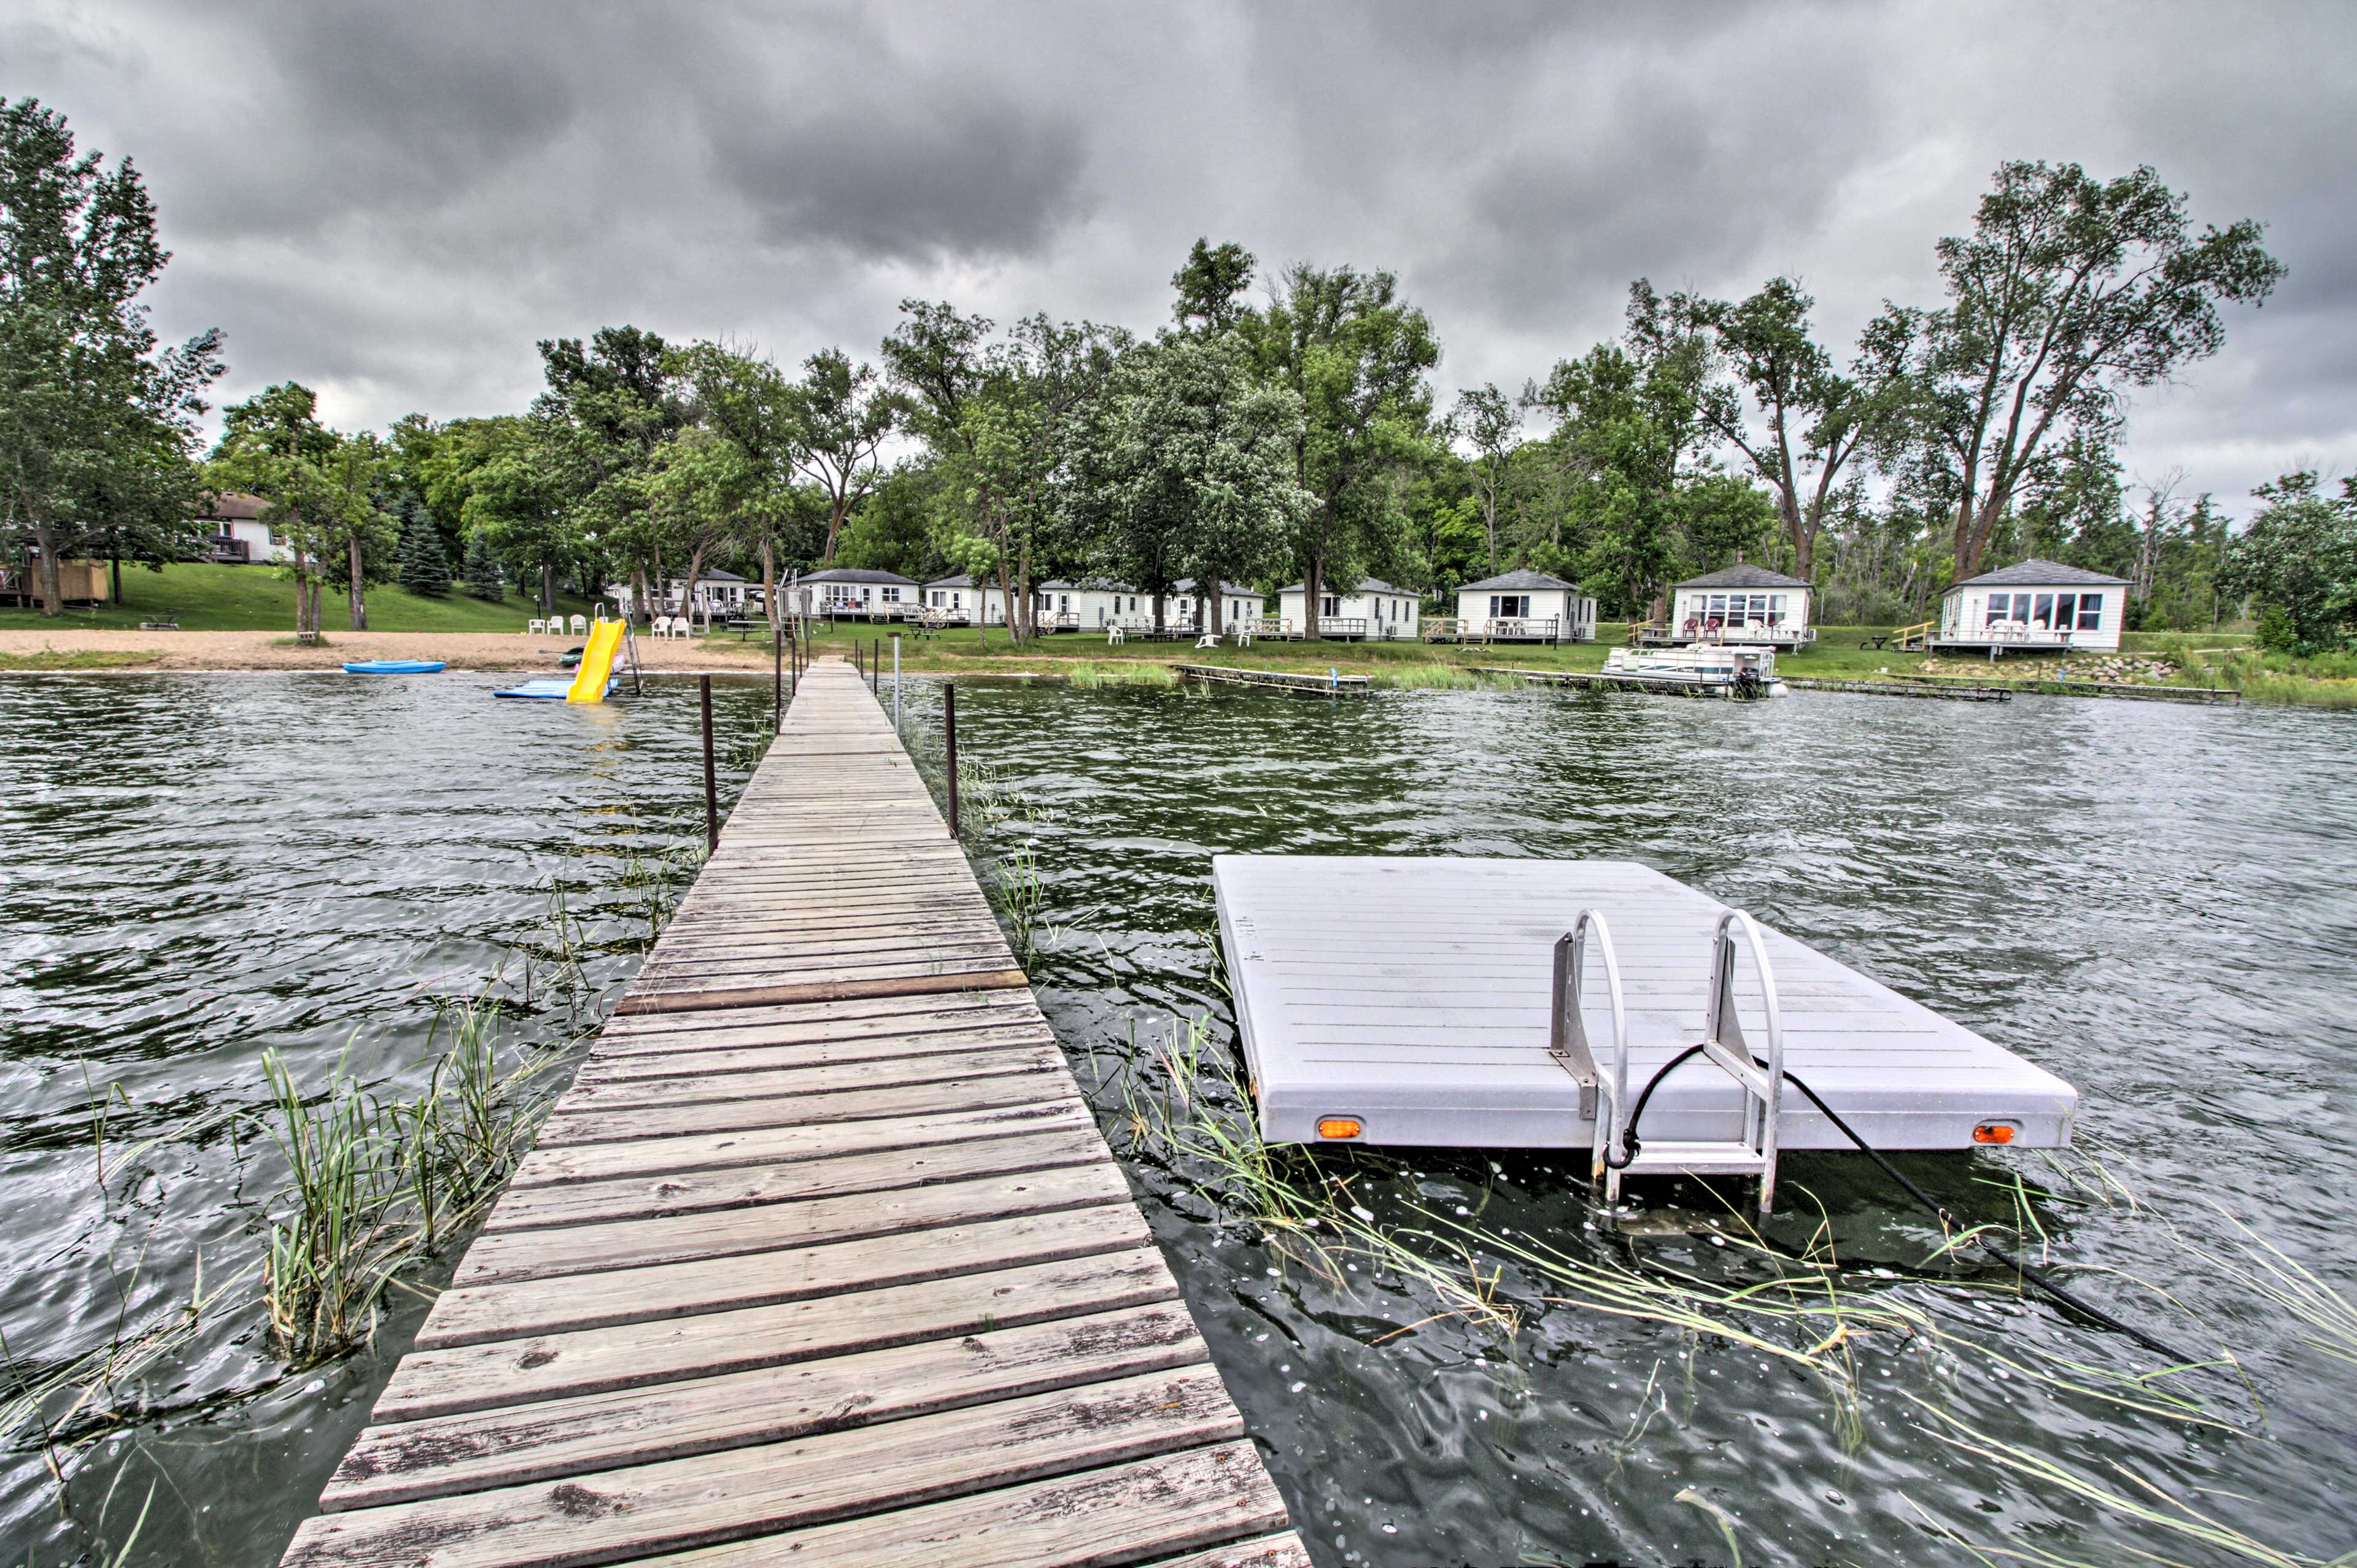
[[821, 1258]]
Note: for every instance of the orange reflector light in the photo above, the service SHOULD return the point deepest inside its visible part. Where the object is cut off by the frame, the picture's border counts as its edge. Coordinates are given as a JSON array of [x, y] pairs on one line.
[[1993, 1133], [1338, 1127]]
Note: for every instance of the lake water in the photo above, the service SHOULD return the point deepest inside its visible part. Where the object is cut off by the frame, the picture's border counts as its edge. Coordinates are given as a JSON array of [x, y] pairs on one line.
[[2159, 904]]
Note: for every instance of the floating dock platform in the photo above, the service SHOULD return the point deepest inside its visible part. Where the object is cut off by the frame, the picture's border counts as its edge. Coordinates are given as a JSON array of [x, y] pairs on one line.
[[1280, 680], [1414, 999], [820, 1261]]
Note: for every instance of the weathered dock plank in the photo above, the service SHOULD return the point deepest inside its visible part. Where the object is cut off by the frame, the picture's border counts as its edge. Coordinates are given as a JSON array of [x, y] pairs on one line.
[[821, 1258]]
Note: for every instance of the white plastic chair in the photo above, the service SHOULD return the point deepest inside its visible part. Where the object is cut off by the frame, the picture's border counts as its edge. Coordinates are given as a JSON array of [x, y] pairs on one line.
[[1113, 635], [1209, 639], [535, 628], [580, 625]]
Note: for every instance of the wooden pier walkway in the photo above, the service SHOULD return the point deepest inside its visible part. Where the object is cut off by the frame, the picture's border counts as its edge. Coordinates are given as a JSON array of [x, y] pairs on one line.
[[1312, 685], [820, 1259], [1898, 689]]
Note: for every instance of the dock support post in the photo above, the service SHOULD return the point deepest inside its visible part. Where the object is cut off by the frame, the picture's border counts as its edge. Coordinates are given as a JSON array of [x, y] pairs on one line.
[[895, 683], [777, 679], [949, 742], [710, 785]]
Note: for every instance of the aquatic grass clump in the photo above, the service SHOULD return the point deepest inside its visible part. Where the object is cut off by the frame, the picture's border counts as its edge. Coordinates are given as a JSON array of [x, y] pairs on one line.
[[1094, 675], [1797, 1305], [376, 1186]]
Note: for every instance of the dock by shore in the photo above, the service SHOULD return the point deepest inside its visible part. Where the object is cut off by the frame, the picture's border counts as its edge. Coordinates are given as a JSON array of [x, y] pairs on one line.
[[821, 1258]]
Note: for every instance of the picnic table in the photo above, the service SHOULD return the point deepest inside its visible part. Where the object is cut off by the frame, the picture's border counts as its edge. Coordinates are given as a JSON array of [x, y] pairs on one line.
[[746, 629], [1875, 642]]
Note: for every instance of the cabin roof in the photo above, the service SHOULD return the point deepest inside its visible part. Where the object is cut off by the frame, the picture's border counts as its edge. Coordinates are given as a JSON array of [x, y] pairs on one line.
[[1522, 579], [234, 506], [1366, 586], [857, 575], [2035, 573], [1743, 576]]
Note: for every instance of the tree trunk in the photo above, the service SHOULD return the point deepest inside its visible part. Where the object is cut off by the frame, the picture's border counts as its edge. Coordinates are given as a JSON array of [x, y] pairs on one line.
[[114, 569], [1213, 605], [833, 528], [547, 587], [688, 590], [1313, 587], [769, 583], [1157, 612], [360, 588], [1007, 599], [53, 592]]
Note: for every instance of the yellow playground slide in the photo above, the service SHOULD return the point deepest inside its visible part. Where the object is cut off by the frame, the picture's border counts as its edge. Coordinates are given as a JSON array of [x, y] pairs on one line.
[[590, 682]]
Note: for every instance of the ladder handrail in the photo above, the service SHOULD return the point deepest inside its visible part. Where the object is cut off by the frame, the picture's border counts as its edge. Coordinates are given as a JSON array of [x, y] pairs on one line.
[[1569, 1029], [1763, 1103]]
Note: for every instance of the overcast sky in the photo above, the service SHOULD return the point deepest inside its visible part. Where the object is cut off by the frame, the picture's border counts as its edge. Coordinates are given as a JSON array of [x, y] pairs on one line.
[[392, 203]]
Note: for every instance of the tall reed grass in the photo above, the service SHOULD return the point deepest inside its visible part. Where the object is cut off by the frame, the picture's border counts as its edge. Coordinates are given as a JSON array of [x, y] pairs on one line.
[[1792, 1305]]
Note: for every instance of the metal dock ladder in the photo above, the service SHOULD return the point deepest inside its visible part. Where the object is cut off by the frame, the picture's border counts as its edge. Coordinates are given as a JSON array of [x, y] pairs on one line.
[[1605, 1096]]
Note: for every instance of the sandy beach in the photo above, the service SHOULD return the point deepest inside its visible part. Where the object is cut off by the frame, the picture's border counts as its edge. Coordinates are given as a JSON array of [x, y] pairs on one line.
[[461, 649]]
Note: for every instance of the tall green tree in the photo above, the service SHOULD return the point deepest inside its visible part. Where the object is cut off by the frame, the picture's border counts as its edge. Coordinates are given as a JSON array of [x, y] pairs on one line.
[[425, 566], [1193, 459], [747, 402], [1357, 357], [843, 414], [609, 406], [98, 423], [482, 572], [2299, 560], [2069, 293], [274, 445], [1775, 397], [1491, 422]]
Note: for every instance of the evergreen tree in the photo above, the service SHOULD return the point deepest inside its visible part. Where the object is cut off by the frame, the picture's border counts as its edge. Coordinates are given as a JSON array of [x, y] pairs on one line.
[[482, 569], [423, 569]]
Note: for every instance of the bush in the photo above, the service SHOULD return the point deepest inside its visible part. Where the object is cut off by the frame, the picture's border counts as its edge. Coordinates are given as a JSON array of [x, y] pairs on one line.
[[2275, 631]]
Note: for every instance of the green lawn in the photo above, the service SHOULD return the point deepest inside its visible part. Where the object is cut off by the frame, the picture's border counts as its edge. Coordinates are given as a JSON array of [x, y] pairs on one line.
[[2205, 659], [255, 599]]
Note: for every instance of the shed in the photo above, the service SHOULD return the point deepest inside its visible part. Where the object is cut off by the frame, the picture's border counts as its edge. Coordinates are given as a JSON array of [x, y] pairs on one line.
[[1525, 606], [1374, 609], [1743, 604], [2033, 605]]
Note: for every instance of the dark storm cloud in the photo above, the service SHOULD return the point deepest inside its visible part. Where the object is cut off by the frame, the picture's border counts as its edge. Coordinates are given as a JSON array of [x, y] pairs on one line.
[[393, 202], [938, 170]]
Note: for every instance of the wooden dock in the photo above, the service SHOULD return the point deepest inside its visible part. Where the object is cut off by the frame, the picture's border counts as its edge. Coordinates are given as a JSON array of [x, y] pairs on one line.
[[1281, 680], [821, 1258], [1975, 693], [1603, 680]]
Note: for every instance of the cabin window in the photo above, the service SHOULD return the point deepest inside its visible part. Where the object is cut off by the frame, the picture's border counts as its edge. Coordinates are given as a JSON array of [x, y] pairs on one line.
[[1509, 607], [891, 595], [2090, 612], [1329, 605], [2001, 610], [1776, 609]]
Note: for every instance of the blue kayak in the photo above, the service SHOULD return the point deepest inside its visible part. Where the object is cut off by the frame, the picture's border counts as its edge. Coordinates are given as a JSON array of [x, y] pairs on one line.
[[394, 667]]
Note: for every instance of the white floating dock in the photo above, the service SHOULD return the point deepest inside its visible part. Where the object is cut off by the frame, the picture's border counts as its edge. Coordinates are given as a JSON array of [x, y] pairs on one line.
[[1412, 996]]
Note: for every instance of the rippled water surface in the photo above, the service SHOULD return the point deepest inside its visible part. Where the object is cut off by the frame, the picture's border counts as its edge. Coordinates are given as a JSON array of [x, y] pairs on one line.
[[194, 869], [2157, 903]]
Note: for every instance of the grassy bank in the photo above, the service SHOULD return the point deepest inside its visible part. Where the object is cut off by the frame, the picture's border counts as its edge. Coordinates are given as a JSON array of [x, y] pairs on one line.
[[77, 659], [1840, 653], [255, 599]]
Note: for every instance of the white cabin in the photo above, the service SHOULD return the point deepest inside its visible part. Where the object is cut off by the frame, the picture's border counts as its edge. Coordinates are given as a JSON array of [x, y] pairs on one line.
[[1525, 606], [1745, 604], [238, 533], [1374, 609], [1239, 608], [719, 595], [2033, 607], [856, 591]]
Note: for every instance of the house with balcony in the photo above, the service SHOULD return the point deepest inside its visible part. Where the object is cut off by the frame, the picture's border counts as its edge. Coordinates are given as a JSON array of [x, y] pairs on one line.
[[238, 535], [1519, 606], [1374, 611], [1743, 604], [2031, 607], [855, 593]]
